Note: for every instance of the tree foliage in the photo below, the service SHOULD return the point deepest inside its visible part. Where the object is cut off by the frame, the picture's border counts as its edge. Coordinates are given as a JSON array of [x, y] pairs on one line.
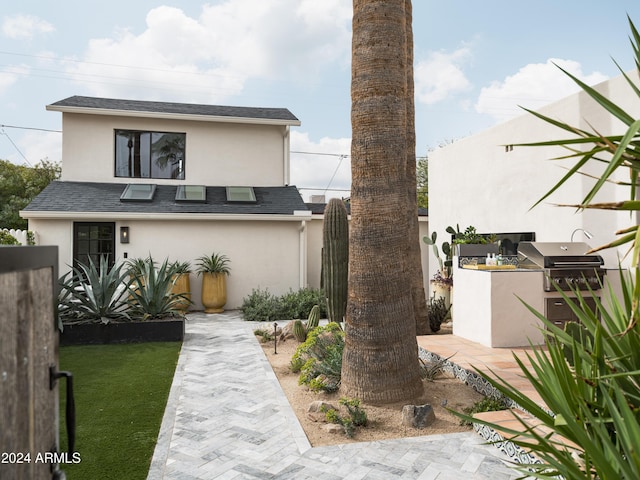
[[19, 184], [422, 182]]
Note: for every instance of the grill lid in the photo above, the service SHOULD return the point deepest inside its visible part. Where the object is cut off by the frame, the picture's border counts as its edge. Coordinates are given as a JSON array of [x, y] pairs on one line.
[[557, 255]]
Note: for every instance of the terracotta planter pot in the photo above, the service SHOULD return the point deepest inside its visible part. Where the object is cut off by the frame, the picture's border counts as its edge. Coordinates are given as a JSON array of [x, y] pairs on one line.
[[182, 286], [214, 292]]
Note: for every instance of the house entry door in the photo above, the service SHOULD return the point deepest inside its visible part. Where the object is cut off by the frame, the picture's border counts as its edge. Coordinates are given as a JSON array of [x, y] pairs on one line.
[[29, 364], [91, 240]]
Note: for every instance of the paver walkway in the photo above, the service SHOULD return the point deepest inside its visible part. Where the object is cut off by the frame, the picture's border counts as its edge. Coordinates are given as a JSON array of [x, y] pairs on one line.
[[228, 418]]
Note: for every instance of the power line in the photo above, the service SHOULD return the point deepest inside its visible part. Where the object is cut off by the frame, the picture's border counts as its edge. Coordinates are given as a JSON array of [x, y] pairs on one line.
[[318, 153], [14, 145], [30, 128]]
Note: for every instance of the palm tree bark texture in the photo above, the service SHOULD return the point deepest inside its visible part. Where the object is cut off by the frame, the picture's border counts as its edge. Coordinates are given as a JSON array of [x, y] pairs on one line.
[[413, 258], [380, 360]]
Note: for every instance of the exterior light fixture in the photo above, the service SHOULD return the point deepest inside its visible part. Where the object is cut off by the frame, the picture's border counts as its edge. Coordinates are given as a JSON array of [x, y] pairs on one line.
[[124, 234]]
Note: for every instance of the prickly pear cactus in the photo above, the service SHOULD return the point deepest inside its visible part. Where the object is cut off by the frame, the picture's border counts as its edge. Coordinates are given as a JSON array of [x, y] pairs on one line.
[[335, 258], [314, 318], [299, 331]]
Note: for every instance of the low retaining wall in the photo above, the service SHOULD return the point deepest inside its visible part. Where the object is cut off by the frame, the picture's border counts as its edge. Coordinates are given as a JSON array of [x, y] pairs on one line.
[[123, 332]]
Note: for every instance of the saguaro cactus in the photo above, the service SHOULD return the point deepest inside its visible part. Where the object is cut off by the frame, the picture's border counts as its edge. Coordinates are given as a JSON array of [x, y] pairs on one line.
[[335, 258]]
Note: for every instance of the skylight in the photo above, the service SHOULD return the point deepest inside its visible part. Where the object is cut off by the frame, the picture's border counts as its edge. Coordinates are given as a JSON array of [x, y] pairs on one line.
[[191, 193], [135, 192], [241, 195]]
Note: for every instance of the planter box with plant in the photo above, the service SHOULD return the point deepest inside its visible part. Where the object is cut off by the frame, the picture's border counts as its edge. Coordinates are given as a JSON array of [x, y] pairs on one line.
[[119, 304], [470, 243]]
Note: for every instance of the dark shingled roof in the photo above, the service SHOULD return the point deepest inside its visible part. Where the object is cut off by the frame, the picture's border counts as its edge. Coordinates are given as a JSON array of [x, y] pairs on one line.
[[85, 197], [177, 108]]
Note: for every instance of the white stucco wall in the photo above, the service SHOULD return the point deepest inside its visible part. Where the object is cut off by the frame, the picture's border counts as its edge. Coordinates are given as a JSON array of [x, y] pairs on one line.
[[475, 181], [222, 154], [263, 254]]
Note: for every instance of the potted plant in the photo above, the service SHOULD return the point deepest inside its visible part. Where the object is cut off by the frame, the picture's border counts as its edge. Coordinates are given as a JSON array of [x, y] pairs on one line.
[[214, 269], [470, 243], [182, 284], [442, 281]]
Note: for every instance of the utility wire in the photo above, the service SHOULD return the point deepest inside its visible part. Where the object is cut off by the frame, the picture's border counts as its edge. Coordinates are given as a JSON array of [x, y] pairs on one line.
[[2, 131], [30, 128]]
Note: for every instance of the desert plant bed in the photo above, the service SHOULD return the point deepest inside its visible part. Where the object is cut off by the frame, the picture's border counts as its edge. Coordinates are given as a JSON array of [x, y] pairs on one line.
[[442, 392]]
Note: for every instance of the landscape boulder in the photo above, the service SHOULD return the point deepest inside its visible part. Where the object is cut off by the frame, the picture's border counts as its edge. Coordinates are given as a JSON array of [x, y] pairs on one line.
[[418, 416]]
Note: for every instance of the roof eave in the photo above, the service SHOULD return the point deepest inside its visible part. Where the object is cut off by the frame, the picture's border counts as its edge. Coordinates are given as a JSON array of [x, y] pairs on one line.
[[173, 116], [296, 216]]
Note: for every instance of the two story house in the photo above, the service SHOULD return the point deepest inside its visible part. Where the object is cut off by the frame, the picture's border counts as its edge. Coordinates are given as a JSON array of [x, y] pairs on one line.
[[177, 181]]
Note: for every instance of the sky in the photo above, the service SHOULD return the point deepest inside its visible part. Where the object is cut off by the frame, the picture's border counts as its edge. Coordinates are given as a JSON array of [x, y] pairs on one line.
[[476, 64]]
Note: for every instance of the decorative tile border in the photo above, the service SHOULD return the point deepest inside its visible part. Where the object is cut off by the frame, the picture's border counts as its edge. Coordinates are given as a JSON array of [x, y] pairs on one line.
[[481, 385], [510, 449], [475, 381]]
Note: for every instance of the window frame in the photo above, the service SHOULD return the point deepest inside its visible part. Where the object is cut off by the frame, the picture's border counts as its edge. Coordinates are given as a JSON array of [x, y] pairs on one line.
[[146, 167], [101, 240], [231, 191]]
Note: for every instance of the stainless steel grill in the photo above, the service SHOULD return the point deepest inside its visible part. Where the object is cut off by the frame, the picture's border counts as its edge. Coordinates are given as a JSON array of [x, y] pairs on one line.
[[566, 264]]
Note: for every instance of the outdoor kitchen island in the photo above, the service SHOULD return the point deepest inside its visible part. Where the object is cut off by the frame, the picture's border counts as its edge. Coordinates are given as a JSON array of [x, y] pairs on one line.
[[489, 304]]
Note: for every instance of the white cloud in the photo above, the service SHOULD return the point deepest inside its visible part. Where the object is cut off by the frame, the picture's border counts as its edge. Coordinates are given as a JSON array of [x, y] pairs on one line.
[[441, 76], [321, 166], [533, 86], [211, 57], [24, 27]]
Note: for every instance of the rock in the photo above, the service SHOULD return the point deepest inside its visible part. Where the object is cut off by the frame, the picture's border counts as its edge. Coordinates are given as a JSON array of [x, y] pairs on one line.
[[418, 416], [333, 428], [286, 332], [319, 406]]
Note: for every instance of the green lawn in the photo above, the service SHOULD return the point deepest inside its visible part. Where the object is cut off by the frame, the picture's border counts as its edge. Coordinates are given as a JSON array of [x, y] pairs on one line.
[[120, 395]]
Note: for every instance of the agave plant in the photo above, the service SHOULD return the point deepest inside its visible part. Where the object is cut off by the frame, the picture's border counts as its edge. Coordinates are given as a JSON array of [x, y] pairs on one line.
[[151, 295], [214, 263], [589, 378], [91, 293]]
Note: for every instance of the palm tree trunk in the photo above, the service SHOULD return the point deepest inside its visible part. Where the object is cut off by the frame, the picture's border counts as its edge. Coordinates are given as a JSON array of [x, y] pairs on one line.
[[413, 257], [380, 360]]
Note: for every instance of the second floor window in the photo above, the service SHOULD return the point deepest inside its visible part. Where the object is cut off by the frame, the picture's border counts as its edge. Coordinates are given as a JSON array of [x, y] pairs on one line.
[[141, 154]]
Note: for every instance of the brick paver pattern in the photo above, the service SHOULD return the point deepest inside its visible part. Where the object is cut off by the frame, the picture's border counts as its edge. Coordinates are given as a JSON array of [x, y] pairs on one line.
[[228, 418]]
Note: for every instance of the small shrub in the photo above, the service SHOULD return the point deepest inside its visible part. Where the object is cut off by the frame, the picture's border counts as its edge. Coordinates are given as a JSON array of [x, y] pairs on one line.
[[357, 417], [265, 335], [260, 306], [298, 304], [319, 358], [263, 306], [487, 404], [7, 239]]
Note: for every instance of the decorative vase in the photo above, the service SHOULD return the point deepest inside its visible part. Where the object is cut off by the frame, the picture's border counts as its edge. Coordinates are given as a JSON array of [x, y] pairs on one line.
[[214, 292], [182, 286]]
